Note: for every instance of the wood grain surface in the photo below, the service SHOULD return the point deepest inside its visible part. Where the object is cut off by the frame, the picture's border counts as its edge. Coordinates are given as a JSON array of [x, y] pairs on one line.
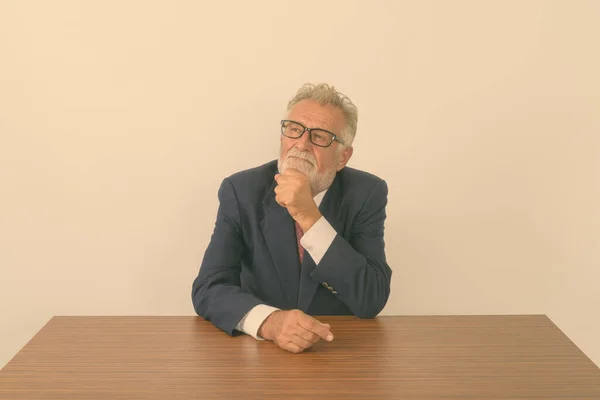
[[407, 357]]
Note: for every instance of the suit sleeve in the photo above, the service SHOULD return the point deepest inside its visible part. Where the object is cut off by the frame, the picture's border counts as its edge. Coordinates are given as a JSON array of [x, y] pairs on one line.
[[356, 269], [217, 294]]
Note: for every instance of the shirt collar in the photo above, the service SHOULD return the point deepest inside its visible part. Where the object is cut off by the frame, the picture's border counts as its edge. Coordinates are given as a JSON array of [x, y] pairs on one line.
[[319, 197]]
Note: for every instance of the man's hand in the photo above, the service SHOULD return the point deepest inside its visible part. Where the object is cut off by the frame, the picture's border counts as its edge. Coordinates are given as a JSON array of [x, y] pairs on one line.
[[294, 192], [293, 330]]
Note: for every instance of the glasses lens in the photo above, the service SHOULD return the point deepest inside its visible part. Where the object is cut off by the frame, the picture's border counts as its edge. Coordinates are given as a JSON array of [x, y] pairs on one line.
[[321, 138], [292, 129]]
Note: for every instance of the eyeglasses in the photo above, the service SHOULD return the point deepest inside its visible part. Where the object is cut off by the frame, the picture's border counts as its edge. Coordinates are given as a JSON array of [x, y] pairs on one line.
[[318, 137]]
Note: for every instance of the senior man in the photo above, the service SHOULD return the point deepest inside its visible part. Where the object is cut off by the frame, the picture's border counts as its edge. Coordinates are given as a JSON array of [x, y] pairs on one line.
[[300, 236]]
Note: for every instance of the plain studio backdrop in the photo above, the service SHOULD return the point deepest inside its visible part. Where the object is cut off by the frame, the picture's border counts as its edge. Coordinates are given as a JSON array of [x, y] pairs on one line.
[[119, 119]]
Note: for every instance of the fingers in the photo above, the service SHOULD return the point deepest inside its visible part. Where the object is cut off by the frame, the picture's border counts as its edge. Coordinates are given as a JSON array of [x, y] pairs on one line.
[[280, 196], [290, 175], [290, 190], [297, 331], [316, 327], [302, 342], [308, 336], [292, 348], [296, 343], [280, 201], [292, 172], [289, 172]]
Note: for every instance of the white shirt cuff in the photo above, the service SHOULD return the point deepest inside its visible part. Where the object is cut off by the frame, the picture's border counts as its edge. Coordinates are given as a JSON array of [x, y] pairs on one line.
[[252, 321], [318, 238]]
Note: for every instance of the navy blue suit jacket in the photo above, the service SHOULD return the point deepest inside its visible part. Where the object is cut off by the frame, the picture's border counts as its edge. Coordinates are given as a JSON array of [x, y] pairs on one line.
[[253, 258]]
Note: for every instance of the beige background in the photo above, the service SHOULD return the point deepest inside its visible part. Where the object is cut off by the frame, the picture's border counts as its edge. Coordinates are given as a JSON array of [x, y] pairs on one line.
[[118, 120]]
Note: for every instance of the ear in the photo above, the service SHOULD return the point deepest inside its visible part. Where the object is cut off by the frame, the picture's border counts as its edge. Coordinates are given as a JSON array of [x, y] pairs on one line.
[[344, 157]]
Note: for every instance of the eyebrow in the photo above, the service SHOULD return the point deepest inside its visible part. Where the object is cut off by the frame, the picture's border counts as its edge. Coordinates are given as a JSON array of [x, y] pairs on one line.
[[312, 129]]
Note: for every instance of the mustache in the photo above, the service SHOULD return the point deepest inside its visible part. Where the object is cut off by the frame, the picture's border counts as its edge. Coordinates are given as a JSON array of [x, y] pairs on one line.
[[301, 154]]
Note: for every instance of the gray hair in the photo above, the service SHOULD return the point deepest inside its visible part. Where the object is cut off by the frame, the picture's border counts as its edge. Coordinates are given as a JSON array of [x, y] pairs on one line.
[[327, 95]]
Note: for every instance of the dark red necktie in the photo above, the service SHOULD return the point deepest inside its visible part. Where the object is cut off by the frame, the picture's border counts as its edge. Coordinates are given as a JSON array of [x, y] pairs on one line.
[[299, 234]]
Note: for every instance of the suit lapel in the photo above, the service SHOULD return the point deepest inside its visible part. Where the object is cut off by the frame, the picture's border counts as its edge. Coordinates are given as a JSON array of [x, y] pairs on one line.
[[329, 208], [280, 236]]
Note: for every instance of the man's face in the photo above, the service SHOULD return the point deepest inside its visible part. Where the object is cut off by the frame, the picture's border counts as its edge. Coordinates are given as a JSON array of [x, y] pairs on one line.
[[319, 164]]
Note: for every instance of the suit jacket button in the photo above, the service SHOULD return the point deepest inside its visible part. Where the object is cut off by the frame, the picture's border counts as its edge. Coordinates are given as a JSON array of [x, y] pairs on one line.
[[325, 284]]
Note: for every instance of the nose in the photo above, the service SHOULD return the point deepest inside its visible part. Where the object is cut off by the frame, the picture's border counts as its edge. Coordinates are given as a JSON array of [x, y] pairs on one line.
[[303, 142]]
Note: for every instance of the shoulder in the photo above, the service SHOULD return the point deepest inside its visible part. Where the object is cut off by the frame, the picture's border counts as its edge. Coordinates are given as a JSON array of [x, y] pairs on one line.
[[360, 190], [263, 173], [253, 182], [355, 180]]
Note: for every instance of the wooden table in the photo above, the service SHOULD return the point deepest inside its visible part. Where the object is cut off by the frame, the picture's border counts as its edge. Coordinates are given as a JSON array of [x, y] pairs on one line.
[[441, 357]]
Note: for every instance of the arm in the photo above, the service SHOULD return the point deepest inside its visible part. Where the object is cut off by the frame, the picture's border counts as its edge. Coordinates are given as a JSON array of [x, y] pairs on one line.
[[356, 268], [216, 292]]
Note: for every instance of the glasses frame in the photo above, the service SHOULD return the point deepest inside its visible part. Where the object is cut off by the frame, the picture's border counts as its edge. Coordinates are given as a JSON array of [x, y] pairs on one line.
[[333, 135]]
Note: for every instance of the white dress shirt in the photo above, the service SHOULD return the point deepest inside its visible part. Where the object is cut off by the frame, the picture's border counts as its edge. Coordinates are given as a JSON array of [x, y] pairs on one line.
[[316, 241]]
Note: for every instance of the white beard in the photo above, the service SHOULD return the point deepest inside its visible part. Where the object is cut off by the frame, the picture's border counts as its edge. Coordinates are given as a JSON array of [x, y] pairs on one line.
[[306, 163]]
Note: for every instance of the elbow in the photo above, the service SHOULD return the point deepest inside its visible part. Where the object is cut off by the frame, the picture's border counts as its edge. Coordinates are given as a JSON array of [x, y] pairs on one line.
[[366, 314], [375, 298], [370, 311], [371, 308], [199, 298]]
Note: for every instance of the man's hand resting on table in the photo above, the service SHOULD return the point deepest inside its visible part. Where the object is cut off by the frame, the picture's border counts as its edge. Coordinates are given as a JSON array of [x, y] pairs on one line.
[[294, 330]]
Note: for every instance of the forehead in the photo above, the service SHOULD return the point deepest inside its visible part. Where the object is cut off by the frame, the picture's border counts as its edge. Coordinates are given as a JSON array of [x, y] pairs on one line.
[[314, 115]]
